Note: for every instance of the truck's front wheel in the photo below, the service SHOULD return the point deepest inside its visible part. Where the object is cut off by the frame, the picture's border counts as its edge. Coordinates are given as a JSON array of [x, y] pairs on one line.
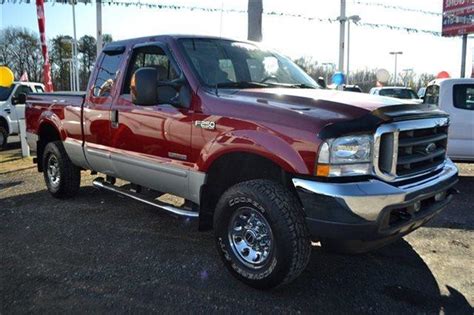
[[3, 138], [261, 234], [62, 177]]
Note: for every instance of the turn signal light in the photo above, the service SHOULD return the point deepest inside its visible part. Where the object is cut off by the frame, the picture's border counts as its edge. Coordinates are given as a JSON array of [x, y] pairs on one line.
[[322, 170]]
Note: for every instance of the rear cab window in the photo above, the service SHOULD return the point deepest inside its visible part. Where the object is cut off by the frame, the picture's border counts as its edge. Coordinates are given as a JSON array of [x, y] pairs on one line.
[[463, 96], [22, 89]]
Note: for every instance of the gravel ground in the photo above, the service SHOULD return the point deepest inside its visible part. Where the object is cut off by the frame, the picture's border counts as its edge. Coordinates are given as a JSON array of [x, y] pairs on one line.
[[100, 252]]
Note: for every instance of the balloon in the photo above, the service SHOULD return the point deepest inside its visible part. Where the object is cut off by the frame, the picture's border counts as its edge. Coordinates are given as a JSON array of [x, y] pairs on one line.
[[338, 78], [443, 75], [382, 75], [6, 77]]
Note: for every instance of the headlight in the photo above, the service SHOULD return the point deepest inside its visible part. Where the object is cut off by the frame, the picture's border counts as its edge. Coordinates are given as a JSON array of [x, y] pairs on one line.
[[345, 156]]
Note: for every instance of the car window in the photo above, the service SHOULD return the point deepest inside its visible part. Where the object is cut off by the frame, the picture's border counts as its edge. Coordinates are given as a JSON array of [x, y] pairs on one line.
[[106, 75], [463, 96], [152, 56], [5, 92], [22, 89], [39, 89], [432, 95]]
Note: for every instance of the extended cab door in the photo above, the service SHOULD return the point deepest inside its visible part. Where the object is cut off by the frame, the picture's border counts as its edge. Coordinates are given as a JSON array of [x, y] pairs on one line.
[[152, 144], [96, 110]]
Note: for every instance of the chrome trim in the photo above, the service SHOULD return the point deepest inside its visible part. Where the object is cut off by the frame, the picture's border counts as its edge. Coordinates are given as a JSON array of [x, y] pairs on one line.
[[367, 199], [75, 152], [395, 129], [101, 183]]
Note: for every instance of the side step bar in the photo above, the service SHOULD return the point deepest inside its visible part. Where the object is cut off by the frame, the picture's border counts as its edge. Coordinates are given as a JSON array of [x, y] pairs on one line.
[[103, 184]]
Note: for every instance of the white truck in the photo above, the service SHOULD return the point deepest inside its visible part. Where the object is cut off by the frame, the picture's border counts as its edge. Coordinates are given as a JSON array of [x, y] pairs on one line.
[[456, 97], [11, 111]]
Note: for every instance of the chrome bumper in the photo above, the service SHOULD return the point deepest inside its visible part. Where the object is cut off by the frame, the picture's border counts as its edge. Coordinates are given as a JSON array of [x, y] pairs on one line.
[[368, 199]]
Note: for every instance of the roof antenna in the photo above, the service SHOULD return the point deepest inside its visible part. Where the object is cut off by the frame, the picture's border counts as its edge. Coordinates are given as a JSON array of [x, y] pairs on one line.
[[222, 12]]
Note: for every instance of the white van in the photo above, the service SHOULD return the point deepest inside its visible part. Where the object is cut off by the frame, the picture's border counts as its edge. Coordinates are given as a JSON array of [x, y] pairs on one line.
[[11, 111], [456, 97]]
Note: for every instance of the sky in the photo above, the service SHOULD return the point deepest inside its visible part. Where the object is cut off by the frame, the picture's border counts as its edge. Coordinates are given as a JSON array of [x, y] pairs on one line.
[[295, 37]]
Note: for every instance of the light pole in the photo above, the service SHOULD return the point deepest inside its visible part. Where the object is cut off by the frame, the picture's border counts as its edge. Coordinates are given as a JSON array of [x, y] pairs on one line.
[[395, 53], [342, 20], [355, 19], [73, 75], [74, 46]]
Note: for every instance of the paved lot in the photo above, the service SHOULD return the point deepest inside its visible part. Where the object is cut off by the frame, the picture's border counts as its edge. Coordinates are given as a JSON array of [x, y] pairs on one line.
[[100, 252]]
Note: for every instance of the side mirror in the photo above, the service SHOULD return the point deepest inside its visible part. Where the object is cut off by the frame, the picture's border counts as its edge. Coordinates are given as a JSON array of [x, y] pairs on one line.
[[20, 99], [144, 86]]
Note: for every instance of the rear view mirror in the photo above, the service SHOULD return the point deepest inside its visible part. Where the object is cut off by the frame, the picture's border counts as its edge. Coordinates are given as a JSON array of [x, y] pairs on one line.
[[321, 82], [144, 86]]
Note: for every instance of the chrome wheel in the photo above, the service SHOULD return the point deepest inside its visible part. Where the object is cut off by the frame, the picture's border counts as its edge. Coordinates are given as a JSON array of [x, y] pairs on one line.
[[250, 237], [53, 172]]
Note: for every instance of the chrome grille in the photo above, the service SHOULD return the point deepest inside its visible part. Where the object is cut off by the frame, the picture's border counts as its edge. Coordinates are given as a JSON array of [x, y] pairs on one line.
[[409, 148]]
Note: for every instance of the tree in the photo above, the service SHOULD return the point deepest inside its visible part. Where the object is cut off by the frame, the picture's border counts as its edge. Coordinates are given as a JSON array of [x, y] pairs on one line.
[[88, 55], [60, 56], [20, 50]]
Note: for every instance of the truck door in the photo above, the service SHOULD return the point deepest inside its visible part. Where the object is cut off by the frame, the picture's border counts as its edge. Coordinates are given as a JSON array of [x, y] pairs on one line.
[[17, 111], [96, 110], [152, 144], [459, 103]]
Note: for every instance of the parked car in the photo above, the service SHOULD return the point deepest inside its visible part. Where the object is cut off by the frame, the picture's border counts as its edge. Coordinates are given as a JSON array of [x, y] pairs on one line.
[[11, 110], [456, 97], [397, 92], [255, 148]]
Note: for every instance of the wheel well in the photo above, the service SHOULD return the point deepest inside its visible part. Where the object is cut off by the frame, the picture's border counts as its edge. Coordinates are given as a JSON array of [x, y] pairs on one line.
[[4, 124], [229, 170], [47, 133]]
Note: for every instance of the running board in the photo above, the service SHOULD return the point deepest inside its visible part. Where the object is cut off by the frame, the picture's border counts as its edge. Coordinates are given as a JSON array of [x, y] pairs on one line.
[[103, 184]]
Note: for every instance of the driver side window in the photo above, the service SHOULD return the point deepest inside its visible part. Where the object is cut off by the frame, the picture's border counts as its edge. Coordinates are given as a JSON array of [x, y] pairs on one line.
[[154, 57]]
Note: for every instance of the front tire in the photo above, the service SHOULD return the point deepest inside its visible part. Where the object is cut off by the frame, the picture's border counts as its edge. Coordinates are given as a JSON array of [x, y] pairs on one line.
[[62, 178], [3, 138], [261, 234]]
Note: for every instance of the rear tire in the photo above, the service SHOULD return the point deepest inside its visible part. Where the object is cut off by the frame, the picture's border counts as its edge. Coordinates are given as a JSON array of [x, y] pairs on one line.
[[3, 138], [62, 178], [261, 234]]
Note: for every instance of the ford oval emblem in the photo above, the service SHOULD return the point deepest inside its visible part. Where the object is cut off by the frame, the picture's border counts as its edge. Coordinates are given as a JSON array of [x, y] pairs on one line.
[[430, 148]]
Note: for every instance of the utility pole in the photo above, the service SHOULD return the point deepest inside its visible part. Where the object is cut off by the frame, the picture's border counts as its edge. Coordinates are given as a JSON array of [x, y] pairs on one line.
[[463, 56], [395, 53], [255, 11], [74, 46], [99, 26], [355, 19], [342, 29]]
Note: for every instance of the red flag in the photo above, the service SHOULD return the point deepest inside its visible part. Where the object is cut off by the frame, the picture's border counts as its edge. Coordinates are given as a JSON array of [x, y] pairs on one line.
[[44, 48], [24, 77]]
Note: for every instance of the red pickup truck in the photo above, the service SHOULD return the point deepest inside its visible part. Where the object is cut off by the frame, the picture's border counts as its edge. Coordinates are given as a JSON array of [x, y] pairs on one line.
[[253, 146]]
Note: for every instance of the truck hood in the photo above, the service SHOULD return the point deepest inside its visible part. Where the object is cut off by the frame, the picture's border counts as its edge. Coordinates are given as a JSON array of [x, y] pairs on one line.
[[349, 111], [306, 99]]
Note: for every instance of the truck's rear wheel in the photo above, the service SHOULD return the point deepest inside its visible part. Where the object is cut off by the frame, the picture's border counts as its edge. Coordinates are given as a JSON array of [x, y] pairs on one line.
[[3, 138], [261, 234], [62, 177]]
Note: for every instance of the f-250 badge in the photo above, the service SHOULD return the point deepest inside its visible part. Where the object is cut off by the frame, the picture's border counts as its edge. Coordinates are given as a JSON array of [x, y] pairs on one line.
[[205, 124]]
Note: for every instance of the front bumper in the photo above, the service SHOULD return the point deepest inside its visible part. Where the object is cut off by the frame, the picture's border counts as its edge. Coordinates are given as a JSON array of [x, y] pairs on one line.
[[374, 210]]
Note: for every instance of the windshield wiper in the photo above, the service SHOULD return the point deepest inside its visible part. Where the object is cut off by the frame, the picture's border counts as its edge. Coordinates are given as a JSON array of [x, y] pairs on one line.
[[241, 85]]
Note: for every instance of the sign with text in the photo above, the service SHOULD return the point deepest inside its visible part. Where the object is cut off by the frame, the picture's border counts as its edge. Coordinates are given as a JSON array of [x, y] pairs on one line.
[[458, 17]]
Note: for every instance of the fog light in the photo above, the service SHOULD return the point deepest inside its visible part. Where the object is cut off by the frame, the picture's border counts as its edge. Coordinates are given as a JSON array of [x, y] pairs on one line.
[[417, 206], [440, 196]]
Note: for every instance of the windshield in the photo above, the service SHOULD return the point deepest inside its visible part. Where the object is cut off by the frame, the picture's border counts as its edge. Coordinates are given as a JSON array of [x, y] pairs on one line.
[[406, 94], [225, 63], [5, 92]]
